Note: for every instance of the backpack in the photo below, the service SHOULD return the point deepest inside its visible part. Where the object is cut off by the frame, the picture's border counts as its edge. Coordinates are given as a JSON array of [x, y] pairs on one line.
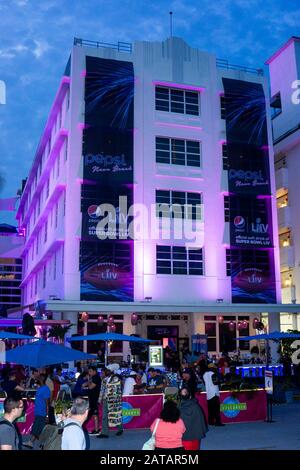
[[7, 423], [51, 436]]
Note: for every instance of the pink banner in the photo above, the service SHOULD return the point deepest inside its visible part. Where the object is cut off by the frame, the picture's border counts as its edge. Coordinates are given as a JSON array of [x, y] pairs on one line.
[[238, 407], [139, 411]]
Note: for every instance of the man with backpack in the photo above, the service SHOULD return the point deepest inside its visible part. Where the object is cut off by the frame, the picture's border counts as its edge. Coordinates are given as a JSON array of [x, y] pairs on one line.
[[9, 438], [73, 437], [69, 435]]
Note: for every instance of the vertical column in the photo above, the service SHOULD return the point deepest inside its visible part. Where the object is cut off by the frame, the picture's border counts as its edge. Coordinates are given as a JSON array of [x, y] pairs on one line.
[[274, 325]]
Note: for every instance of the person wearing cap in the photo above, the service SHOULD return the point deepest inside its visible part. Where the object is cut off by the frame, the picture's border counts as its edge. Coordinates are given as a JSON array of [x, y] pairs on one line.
[[111, 399], [129, 384], [212, 395]]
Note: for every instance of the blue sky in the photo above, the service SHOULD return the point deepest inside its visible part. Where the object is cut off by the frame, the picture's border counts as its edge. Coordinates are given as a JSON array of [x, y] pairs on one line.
[[36, 37]]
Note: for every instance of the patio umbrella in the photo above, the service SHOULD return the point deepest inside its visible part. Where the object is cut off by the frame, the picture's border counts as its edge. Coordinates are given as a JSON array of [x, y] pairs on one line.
[[110, 337], [8, 335], [43, 353], [274, 335]]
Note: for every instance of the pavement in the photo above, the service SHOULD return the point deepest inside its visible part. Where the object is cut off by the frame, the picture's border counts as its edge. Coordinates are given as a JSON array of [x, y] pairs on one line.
[[283, 434]]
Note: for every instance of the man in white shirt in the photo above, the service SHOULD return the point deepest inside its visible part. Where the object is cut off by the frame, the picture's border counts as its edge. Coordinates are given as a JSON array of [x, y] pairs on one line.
[[212, 395], [73, 437], [129, 384]]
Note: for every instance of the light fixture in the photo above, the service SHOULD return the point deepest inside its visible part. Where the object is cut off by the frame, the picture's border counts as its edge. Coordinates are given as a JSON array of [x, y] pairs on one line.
[[84, 317], [219, 301], [110, 320], [100, 320], [286, 243], [220, 319], [148, 299], [255, 323], [112, 328], [231, 326], [134, 319]]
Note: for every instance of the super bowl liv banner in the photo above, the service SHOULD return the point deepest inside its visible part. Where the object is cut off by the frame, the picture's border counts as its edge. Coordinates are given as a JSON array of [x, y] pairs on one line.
[[106, 257], [251, 241]]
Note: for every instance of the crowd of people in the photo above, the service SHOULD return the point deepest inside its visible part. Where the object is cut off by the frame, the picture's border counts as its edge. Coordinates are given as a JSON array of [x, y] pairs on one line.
[[92, 388]]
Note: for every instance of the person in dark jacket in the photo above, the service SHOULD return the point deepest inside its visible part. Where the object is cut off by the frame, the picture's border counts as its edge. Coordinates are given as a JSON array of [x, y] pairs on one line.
[[194, 421]]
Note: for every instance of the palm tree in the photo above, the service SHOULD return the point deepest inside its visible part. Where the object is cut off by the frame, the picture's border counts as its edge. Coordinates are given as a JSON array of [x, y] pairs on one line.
[[58, 332]]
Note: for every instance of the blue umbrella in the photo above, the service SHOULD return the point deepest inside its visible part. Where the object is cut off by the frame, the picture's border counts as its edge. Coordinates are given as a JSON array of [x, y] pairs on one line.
[[8, 335], [43, 353], [110, 337], [274, 335]]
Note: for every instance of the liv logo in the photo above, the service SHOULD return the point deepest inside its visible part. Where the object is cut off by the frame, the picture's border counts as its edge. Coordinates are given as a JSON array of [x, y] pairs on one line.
[[231, 407], [2, 92]]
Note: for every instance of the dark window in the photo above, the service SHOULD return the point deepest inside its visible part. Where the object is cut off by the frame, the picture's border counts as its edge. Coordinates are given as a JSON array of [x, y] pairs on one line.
[[225, 157], [223, 106], [179, 260], [228, 262], [178, 152], [184, 205], [177, 100], [226, 209], [276, 107]]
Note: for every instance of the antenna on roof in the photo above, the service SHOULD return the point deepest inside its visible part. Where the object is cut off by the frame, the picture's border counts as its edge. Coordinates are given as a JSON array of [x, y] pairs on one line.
[[171, 23]]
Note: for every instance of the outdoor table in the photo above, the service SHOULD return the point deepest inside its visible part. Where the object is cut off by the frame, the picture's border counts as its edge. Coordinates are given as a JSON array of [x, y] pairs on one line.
[[238, 407]]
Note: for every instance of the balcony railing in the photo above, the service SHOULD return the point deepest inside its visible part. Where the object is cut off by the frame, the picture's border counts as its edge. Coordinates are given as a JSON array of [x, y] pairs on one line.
[[224, 64], [120, 46]]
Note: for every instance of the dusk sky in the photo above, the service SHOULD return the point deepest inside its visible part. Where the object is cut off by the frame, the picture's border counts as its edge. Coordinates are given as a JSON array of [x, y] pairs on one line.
[[36, 38]]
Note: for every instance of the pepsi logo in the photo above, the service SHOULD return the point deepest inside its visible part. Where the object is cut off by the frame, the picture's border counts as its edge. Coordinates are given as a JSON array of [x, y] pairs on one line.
[[93, 211], [239, 221]]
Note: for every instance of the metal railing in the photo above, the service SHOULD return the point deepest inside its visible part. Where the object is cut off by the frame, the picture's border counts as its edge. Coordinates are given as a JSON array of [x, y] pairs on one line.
[[224, 64], [120, 46]]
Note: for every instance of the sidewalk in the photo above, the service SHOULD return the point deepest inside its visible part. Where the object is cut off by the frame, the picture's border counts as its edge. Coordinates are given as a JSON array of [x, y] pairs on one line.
[[284, 434]]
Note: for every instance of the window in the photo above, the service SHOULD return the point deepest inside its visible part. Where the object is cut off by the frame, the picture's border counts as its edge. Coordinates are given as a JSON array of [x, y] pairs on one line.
[[177, 151], [35, 284], [46, 231], [225, 157], [184, 205], [177, 101], [44, 277], [47, 188], [275, 104], [58, 164], [283, 200], [226, 209], [228, 262], [62, 259], [56, 214], [64, 206], [54, 266], [66, 150], [211, 332], [179, 260], [223, 106]]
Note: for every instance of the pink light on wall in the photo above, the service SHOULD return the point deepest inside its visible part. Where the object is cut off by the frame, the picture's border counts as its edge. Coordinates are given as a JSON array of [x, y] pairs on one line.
[[181, 126], [83, 73], [178, 85]]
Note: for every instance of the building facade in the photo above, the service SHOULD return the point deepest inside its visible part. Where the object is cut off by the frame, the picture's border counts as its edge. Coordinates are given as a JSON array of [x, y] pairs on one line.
[[284, 67], [11, 246], [162, 141]]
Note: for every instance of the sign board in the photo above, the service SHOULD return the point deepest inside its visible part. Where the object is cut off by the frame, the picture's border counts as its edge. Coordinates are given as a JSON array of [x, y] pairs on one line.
[[269, 382], [155, 356], [199, 344]]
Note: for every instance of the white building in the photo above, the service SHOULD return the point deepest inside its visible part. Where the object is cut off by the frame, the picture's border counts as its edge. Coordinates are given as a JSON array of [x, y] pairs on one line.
[[166, 123], [284, 67]]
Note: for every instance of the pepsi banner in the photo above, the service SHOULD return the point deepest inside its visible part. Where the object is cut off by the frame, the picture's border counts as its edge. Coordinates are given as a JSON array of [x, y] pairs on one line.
[[250, 222], [106, 251], [252, 255]]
